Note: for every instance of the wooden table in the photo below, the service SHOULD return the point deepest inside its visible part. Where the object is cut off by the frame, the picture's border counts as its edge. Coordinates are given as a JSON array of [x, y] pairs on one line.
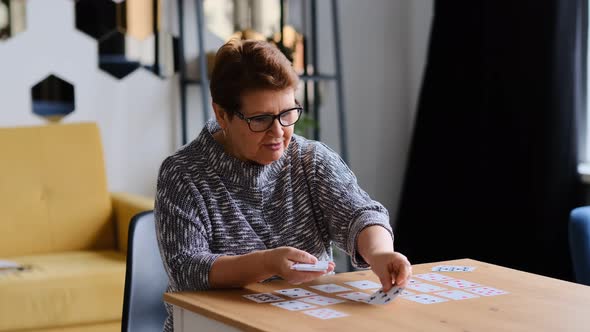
[[534, 303]]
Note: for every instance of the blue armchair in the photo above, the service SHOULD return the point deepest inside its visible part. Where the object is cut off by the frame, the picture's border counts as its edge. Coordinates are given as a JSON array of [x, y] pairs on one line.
[[579, 237]]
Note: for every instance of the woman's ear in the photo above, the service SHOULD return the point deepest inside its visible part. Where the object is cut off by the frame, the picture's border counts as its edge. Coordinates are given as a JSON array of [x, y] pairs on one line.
[[220, 115]]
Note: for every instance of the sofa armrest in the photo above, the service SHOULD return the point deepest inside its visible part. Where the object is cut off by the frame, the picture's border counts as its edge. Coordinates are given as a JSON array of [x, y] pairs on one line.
[[125, 206]]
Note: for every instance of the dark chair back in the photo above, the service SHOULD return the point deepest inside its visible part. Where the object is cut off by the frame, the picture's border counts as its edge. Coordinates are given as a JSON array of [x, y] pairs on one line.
[[145, 278], [579, 236]]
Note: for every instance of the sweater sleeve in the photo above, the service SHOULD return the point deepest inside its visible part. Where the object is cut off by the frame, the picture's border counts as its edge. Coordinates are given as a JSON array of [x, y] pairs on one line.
[[181, 234], [346, 208]]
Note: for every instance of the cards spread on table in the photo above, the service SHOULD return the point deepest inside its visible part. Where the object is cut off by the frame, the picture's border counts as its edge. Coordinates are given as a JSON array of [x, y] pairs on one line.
[[295, 292], [453, 268], [317, 267], [487, 291], [422, 292], [263, 297], [321, 300], [324, 313], [331, 288], [356, 296], [425, 298], [294, 305], [458, 283], [457, 294], [425, 288], [432, 276], [363, 284], [381, 297]]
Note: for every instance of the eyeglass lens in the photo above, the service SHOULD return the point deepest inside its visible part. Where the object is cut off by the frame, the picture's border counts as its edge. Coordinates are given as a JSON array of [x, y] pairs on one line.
[[263, 122]]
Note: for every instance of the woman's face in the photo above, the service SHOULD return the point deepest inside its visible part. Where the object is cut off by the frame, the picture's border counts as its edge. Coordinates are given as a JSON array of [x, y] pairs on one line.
[[260, 147]]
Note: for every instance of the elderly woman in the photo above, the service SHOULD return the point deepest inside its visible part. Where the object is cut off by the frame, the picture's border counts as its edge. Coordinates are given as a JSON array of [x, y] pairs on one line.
[[247, 198]]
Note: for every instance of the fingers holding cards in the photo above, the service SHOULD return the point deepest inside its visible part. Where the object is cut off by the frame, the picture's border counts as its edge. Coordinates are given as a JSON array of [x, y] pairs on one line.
[[381, 297]]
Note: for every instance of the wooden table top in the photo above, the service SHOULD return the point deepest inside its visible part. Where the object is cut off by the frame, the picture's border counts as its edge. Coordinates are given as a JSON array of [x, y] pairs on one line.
[[534, 303]]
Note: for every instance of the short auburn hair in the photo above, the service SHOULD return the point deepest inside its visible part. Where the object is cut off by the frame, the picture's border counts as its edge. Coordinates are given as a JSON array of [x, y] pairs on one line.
[[249, 65]]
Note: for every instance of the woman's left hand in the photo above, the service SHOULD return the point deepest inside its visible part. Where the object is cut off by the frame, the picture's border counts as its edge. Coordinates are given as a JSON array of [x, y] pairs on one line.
[[391, 268]]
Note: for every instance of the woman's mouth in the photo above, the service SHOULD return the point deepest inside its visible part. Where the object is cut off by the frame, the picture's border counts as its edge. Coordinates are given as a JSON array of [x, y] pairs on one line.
[[273, 146]]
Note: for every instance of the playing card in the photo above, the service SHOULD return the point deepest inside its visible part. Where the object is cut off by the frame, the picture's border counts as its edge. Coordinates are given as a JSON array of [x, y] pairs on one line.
[[324, 313], [406, 292], [425, 288], [456, 294], [458, 283], [263, 297], [356, 296], [295, 292], [453, 268], [432, 276], [330, 288], [321, 300], [487, 291], [294, 305], [363, 284], [381, 297], [423, 298], [317, 267]]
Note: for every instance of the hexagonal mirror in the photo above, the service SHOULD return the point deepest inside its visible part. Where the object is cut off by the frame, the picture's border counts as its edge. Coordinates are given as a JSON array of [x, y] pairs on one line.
[[129, 36], [53, 98], [97, 18], [13, 18]]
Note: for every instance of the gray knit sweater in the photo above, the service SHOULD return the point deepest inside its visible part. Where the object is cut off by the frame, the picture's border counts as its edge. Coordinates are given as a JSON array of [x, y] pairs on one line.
[[210, 204]]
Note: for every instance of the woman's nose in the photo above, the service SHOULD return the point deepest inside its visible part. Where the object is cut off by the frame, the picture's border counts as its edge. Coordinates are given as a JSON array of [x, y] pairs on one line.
[[276, 129]]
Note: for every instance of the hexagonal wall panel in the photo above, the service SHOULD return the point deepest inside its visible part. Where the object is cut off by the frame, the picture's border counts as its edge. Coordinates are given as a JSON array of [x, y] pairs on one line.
[[97, 18], [111, 55], [126, 36], [53, 98], [12, 18]]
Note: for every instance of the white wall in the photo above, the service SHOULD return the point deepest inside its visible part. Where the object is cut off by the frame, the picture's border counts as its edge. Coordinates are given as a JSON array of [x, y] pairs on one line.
[[383, 50]]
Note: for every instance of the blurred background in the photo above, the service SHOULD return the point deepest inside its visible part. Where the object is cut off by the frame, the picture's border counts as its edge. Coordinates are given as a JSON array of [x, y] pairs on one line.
[[466, 120]]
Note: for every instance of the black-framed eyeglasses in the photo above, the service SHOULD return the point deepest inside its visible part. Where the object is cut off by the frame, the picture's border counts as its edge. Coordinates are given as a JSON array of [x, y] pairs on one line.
[[259, 123]]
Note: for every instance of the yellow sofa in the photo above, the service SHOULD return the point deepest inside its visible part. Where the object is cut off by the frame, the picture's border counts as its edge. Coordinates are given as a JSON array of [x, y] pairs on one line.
[[59, 221]]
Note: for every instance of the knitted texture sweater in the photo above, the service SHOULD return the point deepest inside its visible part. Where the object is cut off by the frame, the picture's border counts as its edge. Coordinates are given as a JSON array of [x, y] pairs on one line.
[[210, 204]]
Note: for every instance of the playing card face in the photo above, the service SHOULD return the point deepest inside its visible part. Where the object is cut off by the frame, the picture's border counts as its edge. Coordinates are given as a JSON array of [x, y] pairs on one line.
[[356, 296], [424, 298], [321, 300], [381, 297], [425, 288], [295, 292], [458, 283], [456, 294], [453, 268], [263, 297], [363, 284], [324, 313], [294, 305], [487, 291], [432, 276], [331, 288], [317, 267]]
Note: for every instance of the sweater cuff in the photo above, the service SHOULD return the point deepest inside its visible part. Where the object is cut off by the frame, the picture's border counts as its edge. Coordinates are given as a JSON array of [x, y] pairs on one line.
[[366, 219], [198, 272]]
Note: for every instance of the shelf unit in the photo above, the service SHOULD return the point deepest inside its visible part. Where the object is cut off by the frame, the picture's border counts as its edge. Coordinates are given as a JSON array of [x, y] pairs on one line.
[[309, 11]]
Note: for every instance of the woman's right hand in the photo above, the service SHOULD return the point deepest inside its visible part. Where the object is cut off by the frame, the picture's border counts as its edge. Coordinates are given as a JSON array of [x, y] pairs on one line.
[[278, 261]]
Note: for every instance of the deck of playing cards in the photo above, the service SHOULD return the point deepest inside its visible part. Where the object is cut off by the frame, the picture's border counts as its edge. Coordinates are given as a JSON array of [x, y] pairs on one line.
[[317, 267]]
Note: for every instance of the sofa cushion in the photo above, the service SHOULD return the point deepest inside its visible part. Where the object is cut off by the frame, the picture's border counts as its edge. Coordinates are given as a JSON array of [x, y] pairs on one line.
[[53, 190], [79, 287]]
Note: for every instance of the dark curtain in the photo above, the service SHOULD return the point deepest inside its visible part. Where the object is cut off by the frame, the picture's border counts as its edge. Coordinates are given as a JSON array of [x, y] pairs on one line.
[[491, 173]]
